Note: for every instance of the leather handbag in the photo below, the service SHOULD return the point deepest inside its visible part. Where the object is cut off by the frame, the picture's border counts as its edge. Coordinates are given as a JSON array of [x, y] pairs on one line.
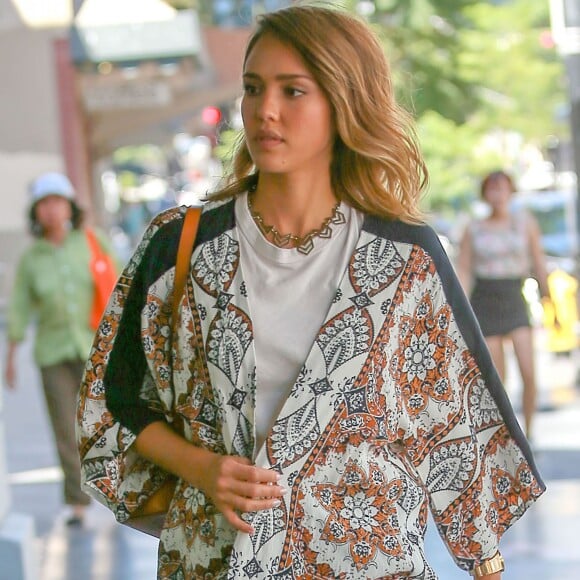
[[104, 273], [150, 516]]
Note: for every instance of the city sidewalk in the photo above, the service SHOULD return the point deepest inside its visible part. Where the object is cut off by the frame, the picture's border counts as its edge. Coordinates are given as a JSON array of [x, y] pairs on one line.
[[543, 546]]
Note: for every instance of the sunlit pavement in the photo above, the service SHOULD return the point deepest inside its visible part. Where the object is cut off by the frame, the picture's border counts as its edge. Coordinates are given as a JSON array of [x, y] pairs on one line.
[[544, 545]]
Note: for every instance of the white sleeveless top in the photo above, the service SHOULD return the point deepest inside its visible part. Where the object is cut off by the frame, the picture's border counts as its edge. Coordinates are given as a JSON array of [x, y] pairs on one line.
[[501, 251]]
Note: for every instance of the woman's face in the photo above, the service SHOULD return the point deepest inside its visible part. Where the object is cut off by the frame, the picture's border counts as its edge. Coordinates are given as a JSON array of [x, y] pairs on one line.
[[498, 193], [53, 211], [287, 117]]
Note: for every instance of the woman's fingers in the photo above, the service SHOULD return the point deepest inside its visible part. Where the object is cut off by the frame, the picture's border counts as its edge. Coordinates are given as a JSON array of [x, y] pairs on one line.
[[237, 476], [256, 490], [236, 486], [246, 496], [250, 504], [237, 522], [241, 468], [237, 504]]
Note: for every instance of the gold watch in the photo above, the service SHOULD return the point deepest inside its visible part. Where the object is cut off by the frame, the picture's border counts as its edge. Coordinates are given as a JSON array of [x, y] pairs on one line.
[[491, 566]]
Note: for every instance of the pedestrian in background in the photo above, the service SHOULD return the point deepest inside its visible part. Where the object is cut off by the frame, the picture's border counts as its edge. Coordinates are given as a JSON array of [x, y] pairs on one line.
[[496, 255], [54, 288], [327, 381]]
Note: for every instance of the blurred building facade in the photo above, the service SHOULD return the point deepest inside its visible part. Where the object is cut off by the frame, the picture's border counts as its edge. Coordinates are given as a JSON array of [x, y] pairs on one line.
[[30, 131], [81, 78]]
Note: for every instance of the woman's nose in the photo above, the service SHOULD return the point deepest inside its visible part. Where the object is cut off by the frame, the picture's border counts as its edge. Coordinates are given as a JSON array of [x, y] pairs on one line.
[[268, 109]]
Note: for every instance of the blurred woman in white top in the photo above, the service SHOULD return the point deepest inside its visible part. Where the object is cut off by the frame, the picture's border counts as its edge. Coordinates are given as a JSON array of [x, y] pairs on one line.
[[496, 255]]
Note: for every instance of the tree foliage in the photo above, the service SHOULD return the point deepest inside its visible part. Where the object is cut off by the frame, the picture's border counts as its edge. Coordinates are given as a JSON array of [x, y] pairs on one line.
[[474, 73], [422, 43]]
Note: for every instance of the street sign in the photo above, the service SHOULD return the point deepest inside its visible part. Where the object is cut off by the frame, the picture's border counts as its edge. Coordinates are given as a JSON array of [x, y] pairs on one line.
[[129, 43], [134, 95]]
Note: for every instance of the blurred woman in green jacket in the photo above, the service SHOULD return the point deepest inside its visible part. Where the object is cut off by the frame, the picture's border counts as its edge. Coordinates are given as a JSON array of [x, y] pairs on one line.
[[54, 288]]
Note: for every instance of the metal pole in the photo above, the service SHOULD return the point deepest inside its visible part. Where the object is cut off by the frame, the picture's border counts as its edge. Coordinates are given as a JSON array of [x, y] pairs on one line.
[[73, 127], [572, 63], [565, 17]]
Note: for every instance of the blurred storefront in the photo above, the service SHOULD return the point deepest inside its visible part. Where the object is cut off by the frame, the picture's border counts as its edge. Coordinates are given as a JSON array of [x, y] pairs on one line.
[[139, 82], [172, 73], [84, 79]]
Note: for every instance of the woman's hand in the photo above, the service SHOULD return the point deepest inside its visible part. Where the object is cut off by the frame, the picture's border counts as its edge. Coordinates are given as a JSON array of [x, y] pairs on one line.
[[10, 375], [10, 370], [232, 483], [235, 485]]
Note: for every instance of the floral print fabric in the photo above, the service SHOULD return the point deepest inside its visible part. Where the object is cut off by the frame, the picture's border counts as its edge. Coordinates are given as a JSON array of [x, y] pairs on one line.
[[396, 410]]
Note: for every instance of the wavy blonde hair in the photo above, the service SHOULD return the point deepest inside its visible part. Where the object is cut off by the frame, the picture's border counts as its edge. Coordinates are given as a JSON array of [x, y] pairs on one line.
[[376, 166]]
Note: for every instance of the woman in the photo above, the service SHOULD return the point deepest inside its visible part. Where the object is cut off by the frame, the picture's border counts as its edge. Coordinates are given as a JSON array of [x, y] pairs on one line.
[[496, 255], [326, 373], [53, 284]]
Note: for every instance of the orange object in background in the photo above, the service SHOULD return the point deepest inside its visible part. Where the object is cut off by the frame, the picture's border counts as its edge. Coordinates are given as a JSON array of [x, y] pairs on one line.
[[563, 336]]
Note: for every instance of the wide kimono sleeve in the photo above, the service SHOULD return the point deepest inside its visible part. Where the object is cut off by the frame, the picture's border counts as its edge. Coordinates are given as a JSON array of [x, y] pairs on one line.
[[461, 436], [122, 390]]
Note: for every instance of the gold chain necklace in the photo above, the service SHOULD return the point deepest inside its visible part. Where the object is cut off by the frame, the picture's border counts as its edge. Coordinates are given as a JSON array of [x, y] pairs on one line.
[[303, 244]]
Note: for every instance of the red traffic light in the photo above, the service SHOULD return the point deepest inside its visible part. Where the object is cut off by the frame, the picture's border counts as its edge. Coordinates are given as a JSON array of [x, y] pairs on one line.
[[211, 115]]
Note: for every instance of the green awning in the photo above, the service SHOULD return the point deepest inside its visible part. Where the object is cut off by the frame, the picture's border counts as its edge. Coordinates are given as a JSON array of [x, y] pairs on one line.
[[130, 43]]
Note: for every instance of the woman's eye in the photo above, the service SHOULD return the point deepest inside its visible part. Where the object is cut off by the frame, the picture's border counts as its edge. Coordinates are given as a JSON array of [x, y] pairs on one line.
[[294, 92], [250, 89]]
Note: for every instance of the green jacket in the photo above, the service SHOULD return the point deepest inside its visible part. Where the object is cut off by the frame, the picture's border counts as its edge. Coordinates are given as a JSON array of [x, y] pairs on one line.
[[53, 287]]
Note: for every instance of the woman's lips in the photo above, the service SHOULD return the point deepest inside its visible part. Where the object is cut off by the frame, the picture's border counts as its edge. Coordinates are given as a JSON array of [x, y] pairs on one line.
[[269, 143], [268, 140]]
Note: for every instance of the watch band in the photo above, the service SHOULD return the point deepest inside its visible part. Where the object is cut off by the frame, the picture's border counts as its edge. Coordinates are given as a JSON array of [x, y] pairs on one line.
[[491, 566]]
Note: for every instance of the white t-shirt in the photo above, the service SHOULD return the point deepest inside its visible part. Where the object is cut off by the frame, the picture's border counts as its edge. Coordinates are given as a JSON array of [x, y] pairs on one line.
[[289, 295]]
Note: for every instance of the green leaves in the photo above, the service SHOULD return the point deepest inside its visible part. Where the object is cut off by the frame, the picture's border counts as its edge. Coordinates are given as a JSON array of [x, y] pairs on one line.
[[481, 80]]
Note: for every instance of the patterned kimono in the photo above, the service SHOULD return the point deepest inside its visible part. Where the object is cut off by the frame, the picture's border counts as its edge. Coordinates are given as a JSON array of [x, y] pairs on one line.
[[396, 410]]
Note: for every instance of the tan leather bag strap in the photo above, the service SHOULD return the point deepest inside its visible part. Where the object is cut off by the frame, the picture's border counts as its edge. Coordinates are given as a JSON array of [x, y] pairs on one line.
[[184, 251]]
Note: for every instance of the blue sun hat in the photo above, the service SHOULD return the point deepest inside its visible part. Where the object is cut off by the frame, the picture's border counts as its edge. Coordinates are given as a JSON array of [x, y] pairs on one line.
[[51, 184]]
